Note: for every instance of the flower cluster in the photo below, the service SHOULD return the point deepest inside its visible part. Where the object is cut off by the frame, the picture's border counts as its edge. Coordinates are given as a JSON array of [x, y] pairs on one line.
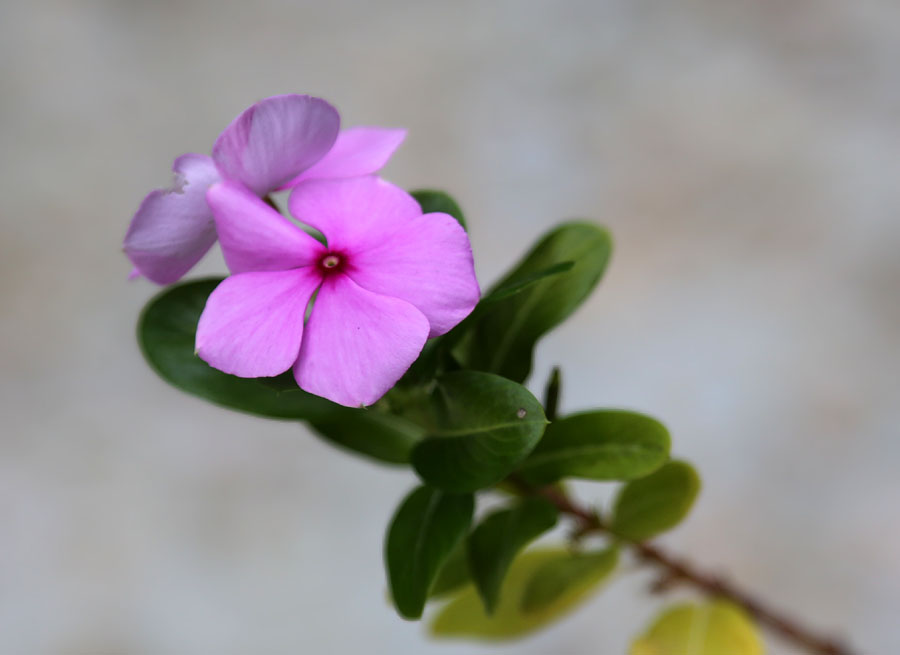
[[350, 315]]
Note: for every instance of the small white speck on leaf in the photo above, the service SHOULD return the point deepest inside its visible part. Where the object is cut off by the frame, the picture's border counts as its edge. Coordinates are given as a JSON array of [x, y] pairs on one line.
[[521, 413]]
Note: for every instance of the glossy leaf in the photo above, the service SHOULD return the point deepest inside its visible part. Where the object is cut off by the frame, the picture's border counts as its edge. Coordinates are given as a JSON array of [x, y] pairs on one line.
[[498, 539], [656, 503], [482, 427], [371, 433], [599, 445], [166, 335], [714, 628], [502, 338], [567, 574], [432, 200], [464, 616], [424, 531]]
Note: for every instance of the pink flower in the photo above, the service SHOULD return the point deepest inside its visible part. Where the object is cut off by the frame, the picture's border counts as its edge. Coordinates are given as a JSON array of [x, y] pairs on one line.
[[273, 145], [389, 278]]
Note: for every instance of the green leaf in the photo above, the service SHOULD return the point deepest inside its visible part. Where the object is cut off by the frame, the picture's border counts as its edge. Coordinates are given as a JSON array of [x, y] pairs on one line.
[[464, 616], [453, 574], [166, 335], [606, 444], [714, 628], [427, 526], [498, 539], [502, 338], [369, 432], [432, 200], [520, 284], [566, 574], [482, 427], [656, 503]]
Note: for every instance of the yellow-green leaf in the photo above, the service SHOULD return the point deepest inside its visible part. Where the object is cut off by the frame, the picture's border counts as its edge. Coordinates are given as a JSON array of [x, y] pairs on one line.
[[464, 616], [715, 628], [567, 573]]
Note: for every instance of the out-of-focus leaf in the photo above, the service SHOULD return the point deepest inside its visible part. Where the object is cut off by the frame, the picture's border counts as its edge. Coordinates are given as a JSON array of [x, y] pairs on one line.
[[432, 200], [453, 574], [715, 628], [498, 539], [648, 506], [424, 531], [599, 445], [483, 426], [464, 616], [501, 339], [567, 574]]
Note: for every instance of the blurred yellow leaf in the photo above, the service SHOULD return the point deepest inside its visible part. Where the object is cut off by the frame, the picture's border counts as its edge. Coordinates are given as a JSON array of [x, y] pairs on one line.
[[716, 628], [464, 615]]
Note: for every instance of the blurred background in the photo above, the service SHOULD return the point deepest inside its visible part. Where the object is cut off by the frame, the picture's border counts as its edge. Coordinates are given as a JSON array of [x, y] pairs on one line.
[[745, 155]]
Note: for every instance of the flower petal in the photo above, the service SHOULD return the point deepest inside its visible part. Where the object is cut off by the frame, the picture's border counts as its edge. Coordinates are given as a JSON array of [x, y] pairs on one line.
[[355, 212], [275, 140], [357, 343], [428, 263], [252, 324], [174, 228], [254, 236], [357, 151]]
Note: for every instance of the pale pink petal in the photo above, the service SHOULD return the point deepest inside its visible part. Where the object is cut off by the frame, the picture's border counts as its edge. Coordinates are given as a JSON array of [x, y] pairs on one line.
[[252, 324], [355, 212], [357, 343], [174, 228], [275, 140], [357, 151], [254, 236], [427, 263]]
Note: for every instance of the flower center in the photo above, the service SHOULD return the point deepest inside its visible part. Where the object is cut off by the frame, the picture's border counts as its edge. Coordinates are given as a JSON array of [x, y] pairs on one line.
[[332, 262]]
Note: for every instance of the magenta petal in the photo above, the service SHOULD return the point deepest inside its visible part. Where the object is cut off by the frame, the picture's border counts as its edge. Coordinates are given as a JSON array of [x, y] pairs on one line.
[[357, 343], [174, 228], [427, 263], [275, 140], [252, 324], [254, 236], [354, 212], [357, 151]]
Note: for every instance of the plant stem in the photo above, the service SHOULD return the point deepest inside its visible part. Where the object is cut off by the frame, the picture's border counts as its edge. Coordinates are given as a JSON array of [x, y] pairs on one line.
[[675, 569]]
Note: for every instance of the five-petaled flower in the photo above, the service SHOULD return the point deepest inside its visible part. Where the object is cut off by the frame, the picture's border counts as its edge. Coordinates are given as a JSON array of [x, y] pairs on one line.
[[389, 278], [273, 145]]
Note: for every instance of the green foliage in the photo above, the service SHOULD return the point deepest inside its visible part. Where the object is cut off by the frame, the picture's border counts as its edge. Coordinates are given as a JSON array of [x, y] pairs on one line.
[[565, 574], [377, 435], [502, 337], [166, 335], [454, 572], [599, 445], [715, 628], [424, 531], [499, 537], [465, 616], [482, 426], [432, 200], [656, 503]]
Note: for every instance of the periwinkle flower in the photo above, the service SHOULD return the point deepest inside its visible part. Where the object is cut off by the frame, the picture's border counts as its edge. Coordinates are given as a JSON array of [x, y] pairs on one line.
[[273, 145], [389, 278]]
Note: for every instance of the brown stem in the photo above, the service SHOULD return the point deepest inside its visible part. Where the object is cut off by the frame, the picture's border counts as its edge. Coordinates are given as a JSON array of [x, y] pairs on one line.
[[675, 569]]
